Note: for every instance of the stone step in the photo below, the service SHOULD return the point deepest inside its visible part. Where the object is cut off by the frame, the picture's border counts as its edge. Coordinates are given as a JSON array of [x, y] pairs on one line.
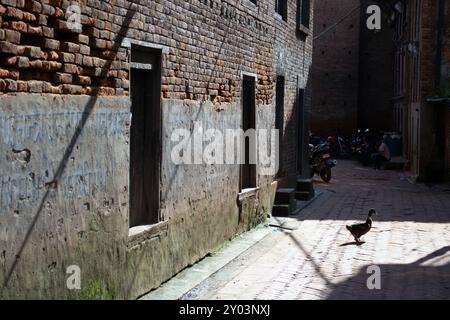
[[305, 185], [304, 195], [281, 210], [285, 196], [305, 190]]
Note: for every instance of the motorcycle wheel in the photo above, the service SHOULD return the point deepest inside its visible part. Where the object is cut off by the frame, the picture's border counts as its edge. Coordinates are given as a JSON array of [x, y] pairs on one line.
[[325, 174]]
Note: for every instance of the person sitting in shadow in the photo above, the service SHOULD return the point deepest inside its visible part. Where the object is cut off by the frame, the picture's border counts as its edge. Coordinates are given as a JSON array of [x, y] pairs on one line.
[[382, 155]]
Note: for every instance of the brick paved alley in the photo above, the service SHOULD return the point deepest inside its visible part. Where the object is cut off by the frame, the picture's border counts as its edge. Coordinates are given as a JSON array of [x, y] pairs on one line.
[[312, 256]]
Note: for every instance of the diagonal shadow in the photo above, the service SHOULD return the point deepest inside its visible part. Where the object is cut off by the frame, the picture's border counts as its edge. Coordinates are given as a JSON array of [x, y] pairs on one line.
[[310, 259], [67, 153], [435, 254], [398, 281]]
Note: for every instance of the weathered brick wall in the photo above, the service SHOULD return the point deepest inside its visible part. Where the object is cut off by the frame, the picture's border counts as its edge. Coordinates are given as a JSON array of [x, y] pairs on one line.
[[39, 53], [46, 67], [335, 68], [292, 60]]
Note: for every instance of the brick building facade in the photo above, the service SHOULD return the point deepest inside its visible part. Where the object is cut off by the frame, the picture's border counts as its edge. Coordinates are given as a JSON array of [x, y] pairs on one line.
[[421, 82], [87, 117], [352, 70], [335, 70]]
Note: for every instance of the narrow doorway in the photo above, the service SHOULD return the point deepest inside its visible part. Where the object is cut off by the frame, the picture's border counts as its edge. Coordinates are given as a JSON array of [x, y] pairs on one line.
[[279, 120], [248, 168], [145, 143], [300, 129]]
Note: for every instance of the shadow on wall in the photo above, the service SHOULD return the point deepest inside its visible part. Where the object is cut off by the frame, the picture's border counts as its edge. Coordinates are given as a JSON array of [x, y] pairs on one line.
[[88, 109], [416, 280]]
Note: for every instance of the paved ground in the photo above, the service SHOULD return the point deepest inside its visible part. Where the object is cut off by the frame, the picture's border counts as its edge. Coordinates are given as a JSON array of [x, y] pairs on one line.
[[312, 255]]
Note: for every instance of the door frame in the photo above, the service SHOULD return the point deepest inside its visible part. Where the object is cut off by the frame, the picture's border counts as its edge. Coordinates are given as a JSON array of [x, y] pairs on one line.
[[147, 59]]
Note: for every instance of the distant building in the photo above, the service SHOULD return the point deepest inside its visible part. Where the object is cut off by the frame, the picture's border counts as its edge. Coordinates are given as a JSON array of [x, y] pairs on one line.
[[403, 77], [352, 69], [335, 70]]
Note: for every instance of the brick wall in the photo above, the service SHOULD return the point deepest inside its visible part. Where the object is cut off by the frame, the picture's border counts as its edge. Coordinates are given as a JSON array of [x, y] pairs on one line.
[[64, 98], [292, 59], [335, 68], [40, 54]]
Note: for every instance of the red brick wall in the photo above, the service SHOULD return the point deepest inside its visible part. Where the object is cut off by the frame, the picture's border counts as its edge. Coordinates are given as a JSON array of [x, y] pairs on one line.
[[39, 54]]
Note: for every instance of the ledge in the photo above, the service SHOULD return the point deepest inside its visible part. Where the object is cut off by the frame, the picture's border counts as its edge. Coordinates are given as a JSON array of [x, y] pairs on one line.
[[247, 193], [248, 4], [279, 17], [128, 42], [139, 234], [304, 30]]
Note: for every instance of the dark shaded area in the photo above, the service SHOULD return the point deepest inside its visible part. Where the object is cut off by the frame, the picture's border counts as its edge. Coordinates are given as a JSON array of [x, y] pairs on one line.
[[376, 79], [145, 144], [400, 281]]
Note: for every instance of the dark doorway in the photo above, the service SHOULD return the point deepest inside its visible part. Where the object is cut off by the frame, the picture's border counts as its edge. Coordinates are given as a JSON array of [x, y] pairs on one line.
[[248, 169], [301, 128], [279, 120], [145, 145]]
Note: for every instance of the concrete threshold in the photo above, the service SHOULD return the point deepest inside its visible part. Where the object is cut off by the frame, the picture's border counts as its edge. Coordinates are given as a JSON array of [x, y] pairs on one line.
[[191, 277]]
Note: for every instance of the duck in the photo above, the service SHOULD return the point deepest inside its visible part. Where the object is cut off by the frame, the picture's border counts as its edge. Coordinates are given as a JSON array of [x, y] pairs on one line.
[[360, 229]]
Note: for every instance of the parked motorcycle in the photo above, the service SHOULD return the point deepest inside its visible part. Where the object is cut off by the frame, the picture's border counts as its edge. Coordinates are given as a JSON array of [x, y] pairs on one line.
[[339, 146], [320, 161], [363, 146], [315, 139]]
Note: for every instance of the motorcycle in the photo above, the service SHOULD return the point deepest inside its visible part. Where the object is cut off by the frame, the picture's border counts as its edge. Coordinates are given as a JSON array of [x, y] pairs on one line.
[[339, 146], [363, 146], [315, 139], [320, 161]]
